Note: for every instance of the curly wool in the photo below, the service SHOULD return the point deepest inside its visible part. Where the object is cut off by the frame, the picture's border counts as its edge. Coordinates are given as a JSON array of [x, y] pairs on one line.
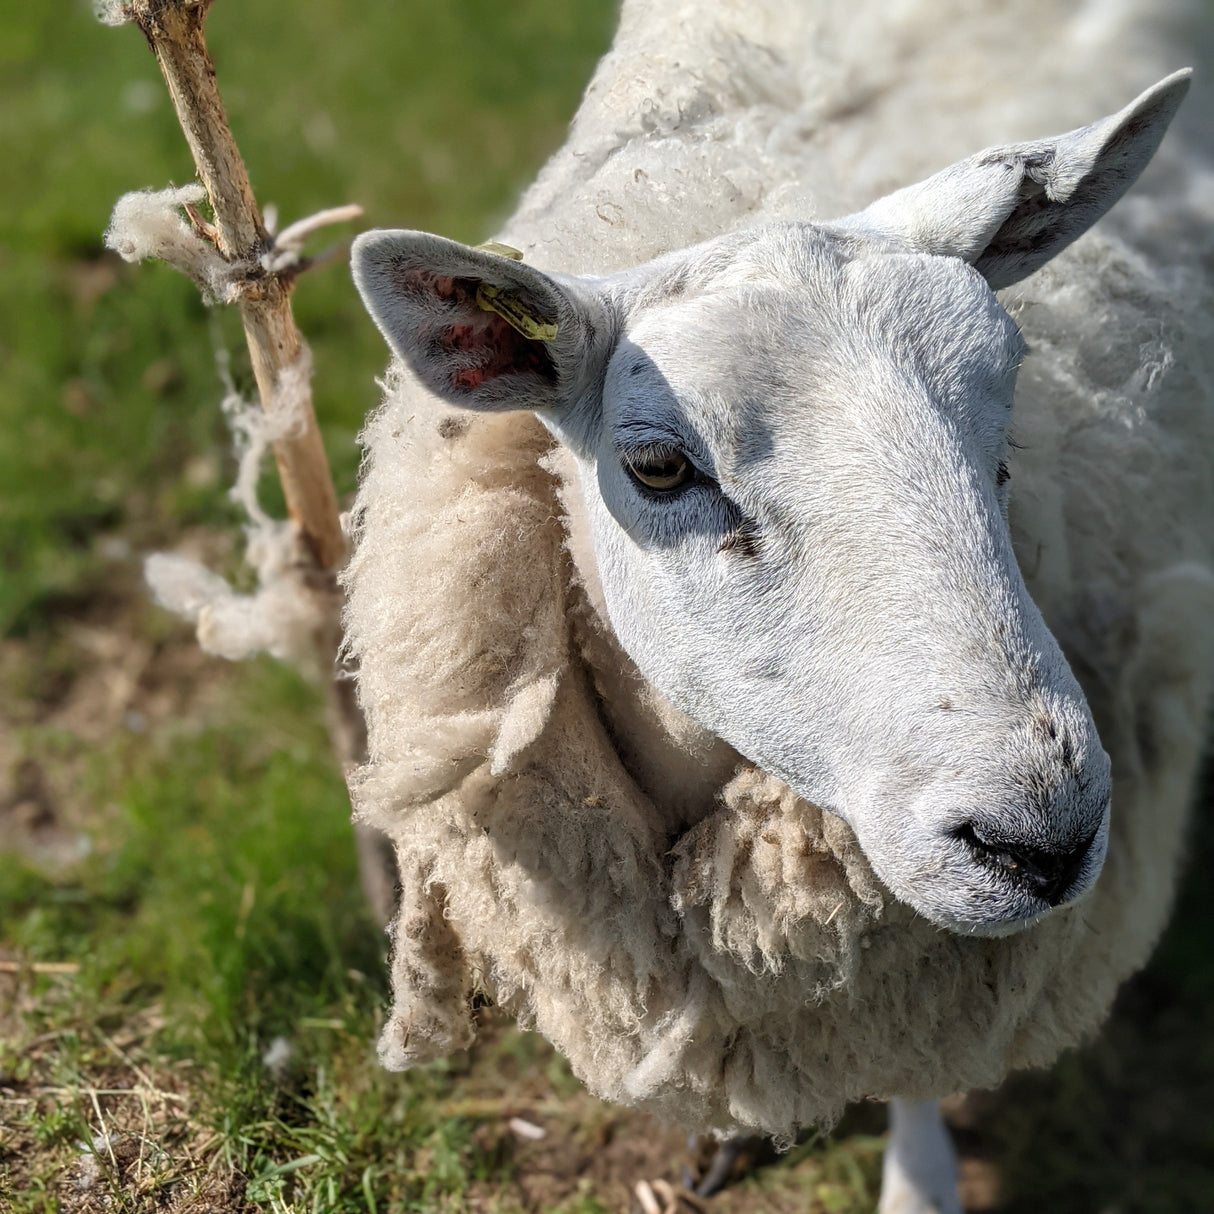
[[748, 971]]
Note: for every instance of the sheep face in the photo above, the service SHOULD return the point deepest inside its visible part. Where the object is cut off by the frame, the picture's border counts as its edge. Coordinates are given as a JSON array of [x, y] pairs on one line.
[[796, 482], [791, 445]]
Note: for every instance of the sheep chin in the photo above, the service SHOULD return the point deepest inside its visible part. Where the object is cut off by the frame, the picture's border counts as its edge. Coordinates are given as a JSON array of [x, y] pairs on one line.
[[996, 930]]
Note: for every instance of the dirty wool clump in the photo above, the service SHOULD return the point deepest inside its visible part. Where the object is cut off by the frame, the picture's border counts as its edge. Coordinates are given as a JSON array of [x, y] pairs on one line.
[[747, 971]]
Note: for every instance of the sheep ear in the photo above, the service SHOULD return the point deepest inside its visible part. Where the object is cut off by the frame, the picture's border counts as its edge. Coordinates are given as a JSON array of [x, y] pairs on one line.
[[1008, 210], [481, 330]]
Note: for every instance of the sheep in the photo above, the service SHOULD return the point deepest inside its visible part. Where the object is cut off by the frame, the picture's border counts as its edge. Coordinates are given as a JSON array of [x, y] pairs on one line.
[[743, 706]]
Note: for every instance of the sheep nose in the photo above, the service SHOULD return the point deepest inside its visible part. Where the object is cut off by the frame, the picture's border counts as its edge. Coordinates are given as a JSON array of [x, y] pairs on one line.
[[1045, 872]]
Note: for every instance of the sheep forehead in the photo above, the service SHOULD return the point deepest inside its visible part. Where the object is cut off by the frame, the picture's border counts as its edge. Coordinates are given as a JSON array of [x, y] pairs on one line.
[[785, 344]]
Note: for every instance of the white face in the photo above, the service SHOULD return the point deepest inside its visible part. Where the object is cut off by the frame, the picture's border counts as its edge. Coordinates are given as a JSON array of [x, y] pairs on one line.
[[828, 583], [791, 444]]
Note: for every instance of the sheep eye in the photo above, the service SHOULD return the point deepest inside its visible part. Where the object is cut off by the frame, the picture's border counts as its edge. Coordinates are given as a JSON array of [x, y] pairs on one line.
[[660, 469], [1002, 475]]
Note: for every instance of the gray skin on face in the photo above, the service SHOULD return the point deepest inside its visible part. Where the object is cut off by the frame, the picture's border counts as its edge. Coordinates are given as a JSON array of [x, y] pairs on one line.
[[790, 444]]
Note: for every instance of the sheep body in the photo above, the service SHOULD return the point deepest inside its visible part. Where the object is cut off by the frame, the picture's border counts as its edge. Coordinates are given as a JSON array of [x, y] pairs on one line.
[[737, 966]]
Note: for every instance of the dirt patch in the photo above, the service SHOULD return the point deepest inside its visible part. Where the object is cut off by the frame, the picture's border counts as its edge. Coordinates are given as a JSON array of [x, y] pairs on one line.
[[137, 1172], [97, 1120], [114, 667], [588, 1149]]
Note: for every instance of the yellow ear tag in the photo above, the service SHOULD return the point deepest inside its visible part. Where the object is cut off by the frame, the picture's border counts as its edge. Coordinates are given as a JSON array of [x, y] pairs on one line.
[[501, 250], [493, 299]]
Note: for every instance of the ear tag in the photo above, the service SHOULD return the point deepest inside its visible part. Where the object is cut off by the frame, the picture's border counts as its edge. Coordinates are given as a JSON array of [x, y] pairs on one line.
[[500, 250], [493, 299]]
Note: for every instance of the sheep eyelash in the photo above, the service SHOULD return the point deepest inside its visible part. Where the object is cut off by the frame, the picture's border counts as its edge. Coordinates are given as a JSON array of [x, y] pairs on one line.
[[654, 449], [636, 437]]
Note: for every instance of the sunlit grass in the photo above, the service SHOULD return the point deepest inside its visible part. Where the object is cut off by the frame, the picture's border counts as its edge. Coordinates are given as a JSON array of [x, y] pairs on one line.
[[217, 920]]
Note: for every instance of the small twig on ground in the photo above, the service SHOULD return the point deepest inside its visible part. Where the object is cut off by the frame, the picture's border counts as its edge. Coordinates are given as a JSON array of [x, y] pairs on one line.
[[646, 1196], [527, 1129], [673, 1194], [39, 967], [169, 1097], [648, 1193], [105, 1134]]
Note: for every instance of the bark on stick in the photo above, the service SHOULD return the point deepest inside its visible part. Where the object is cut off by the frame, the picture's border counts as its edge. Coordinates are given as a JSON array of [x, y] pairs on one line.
[[174, 30]]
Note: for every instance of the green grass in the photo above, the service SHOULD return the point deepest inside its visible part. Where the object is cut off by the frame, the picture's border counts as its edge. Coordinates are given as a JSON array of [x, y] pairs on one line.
[[241, 825], [429, 115], [218, 908]]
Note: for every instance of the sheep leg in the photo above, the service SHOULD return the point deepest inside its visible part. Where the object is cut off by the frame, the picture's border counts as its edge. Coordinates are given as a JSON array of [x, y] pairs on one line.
[[920, 1171], [739, 1149]]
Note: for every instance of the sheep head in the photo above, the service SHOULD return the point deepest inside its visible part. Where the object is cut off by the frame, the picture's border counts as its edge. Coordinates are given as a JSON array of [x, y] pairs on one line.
[[791, 443]]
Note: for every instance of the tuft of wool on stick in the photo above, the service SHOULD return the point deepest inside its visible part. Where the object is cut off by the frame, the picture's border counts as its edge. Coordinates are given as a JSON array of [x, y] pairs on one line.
[[283, 616], [149, 223], [111, 12], [255, 429], [280, 619]]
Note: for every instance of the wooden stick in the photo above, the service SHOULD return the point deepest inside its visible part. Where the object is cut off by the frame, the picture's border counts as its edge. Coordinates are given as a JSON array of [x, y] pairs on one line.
[[174, 31]]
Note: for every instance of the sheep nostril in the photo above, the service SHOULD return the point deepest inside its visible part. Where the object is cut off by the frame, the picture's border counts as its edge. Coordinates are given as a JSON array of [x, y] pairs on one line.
[[1045, 872]]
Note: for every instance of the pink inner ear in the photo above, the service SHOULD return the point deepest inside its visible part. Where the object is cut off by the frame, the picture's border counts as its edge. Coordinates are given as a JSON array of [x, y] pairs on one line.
[[467, 346], [496, 349]]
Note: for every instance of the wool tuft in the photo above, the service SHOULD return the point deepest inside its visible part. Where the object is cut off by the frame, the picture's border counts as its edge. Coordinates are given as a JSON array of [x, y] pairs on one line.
[[280, 619], [149, 223], [255, 428], [112, 12], [285, 615]]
